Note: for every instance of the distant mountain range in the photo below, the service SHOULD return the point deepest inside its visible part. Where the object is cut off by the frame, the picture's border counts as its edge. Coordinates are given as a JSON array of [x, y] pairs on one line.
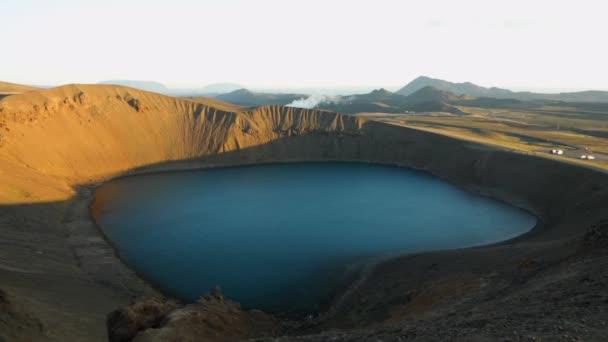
[[220, 88], [379, 100], [427, 99], [474, 90], [237, 94], [424, 94], [143, 85], [249, 98], [456, 88], [430, 93], [208, 90], [466, 88]]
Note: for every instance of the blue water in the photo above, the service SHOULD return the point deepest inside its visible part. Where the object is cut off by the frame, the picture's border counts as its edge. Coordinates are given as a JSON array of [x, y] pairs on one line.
[[283, 237]]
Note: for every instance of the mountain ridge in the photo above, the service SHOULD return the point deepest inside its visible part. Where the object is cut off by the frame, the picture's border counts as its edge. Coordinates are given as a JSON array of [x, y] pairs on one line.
[[8, 88], [246, 97], [431, 93], [468, 88], [152, 86], [427, 99]]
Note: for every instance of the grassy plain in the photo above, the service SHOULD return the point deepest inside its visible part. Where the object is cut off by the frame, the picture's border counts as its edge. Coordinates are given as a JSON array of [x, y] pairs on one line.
[[577, 129]]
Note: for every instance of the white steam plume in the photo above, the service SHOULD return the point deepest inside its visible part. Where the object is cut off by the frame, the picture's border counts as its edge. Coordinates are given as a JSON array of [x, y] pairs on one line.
[[312, 101]]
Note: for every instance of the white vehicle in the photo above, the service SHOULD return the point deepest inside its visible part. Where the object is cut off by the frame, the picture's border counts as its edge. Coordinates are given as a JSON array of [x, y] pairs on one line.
[[590, 157]]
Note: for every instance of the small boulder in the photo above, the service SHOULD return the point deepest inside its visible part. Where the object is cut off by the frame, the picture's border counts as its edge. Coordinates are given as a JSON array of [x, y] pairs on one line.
[[124, 323], [217, 293], [597, 235]]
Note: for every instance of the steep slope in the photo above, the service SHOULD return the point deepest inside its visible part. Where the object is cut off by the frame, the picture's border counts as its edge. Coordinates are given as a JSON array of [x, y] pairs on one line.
[[216, 103], [95, 130], [91, 131]]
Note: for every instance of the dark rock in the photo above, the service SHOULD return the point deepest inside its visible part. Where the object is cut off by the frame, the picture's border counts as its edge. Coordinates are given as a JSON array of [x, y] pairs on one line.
[[211, 318], [217, 293], [597, 235], [135, 104], [80, 98], [124, 323]]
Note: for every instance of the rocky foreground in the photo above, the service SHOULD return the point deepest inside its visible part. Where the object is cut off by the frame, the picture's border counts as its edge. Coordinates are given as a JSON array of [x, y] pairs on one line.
[[562, 297], [211, 318]]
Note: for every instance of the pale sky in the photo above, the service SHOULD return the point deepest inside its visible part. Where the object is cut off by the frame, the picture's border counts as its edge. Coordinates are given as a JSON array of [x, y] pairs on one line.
[[302, 43]]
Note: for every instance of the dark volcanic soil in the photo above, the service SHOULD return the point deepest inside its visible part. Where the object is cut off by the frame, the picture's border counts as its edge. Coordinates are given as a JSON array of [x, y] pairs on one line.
[[513, 293]]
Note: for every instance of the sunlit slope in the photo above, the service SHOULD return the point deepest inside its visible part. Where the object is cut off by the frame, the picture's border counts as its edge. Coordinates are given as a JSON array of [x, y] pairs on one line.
[[7, 87], [77, 132]]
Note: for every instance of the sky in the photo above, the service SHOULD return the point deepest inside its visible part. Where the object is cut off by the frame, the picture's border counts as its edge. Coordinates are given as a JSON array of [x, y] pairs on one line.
[[532, 44]]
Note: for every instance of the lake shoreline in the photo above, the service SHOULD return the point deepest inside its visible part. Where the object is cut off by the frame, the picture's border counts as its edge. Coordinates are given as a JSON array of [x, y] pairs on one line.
[[338, 293]]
